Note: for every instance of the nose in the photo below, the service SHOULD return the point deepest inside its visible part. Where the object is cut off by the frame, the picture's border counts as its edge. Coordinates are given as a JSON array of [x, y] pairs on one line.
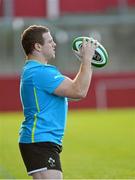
[[54, 44]]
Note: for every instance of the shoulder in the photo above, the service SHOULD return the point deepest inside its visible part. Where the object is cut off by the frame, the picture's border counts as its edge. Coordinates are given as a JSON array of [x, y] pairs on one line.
[[47, 67], [47, 73]]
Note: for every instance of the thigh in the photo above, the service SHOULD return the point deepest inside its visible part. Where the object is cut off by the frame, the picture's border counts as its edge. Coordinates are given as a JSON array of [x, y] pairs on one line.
[[48, 174], [41, 157]]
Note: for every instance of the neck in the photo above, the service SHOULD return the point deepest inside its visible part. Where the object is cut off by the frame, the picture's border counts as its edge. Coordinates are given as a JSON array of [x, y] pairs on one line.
[[38, 58]]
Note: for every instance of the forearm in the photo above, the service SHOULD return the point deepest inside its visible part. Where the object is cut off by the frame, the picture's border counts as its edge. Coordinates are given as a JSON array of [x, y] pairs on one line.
[[82, 80], [79, 86]]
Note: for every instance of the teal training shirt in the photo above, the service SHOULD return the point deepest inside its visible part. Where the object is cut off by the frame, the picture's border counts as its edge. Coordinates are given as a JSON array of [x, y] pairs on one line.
[[45, 113]]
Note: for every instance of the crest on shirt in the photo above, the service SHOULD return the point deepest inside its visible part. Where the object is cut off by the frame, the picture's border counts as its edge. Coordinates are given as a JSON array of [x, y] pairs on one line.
[[51, 161]]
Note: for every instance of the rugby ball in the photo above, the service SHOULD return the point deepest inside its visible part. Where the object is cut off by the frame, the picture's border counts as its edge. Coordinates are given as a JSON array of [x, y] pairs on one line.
[[100, 57]]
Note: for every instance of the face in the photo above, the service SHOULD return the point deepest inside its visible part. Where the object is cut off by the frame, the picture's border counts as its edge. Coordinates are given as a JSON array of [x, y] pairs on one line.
[[48, 49]]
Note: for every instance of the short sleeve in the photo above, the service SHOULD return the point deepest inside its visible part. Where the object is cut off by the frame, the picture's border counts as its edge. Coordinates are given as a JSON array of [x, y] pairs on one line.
[[48, 78]]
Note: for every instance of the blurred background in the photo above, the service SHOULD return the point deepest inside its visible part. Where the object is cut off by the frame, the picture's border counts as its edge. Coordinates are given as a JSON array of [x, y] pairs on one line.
[[110, 22], [99, 139]]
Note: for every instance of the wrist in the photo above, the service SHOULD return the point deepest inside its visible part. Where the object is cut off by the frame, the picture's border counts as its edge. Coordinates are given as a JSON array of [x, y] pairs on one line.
[[87, 64], [86, 61]]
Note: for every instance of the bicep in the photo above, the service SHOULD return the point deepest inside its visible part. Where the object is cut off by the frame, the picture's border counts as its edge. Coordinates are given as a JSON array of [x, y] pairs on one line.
[[68, 89]]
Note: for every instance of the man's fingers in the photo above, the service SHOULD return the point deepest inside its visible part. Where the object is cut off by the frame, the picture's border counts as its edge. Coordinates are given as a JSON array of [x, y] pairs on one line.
[[84, 42], [76, 52], [89, 43], [94, 42]]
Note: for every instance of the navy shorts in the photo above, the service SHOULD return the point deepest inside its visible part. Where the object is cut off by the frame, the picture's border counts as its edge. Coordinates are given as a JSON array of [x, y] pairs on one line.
[[41, 156]]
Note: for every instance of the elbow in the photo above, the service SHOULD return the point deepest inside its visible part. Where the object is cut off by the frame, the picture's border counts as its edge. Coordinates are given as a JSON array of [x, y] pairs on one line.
[[79, 92], [81, 95]]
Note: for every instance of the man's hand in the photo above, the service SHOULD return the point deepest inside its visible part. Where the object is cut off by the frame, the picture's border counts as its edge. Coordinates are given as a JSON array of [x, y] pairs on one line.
[[87, 50]]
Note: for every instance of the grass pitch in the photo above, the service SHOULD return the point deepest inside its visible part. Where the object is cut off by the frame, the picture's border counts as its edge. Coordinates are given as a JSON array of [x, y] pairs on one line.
[[97, 145]]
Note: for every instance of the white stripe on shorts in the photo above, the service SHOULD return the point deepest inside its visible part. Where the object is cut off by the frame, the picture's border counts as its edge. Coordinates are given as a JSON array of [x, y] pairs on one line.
[[37, 170]]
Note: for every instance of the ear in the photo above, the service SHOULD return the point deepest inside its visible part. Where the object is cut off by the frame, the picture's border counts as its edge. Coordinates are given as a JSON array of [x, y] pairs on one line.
[[38, 46]]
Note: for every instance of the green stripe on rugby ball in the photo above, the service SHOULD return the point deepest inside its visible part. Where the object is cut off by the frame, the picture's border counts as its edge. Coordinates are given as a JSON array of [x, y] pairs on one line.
[[76, 45]]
